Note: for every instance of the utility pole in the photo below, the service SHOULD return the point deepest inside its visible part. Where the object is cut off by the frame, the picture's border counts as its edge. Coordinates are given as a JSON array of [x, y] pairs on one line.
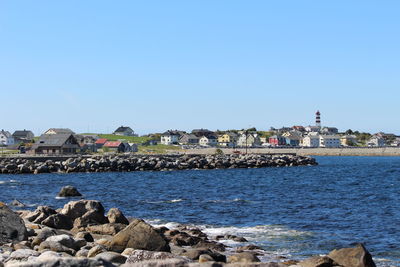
[[246, 133]]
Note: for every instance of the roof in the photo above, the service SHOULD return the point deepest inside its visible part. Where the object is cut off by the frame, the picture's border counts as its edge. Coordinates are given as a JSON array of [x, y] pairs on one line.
[[61, 130], [23, 133], [123, 129], [101, 141], [55, 140], [171, 133], [5, 133], [113, 144]]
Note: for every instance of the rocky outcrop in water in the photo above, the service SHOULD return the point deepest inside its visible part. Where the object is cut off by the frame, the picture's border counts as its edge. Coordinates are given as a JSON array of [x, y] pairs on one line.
[[123, 163], [134, 244]]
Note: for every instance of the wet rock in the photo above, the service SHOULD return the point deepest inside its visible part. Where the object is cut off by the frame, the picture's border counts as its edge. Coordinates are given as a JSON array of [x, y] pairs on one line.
[[352, 257], [248, 247], [243, 257], [139, 235], [194, 254], [69, 191], [210, 245], [12, 227]]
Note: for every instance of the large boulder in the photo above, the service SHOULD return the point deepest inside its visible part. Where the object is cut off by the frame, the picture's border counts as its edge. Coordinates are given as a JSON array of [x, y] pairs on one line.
[[139, 235], [84, 212], [12, 227], [69, 191], [352, 257], [76, 209]]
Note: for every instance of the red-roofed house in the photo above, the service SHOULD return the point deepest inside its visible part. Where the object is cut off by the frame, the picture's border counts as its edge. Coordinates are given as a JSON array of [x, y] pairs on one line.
[[115, 146], [100, 142]]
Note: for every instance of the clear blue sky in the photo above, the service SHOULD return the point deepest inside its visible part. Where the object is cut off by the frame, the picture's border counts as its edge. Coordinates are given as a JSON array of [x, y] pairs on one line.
[[158, 65]]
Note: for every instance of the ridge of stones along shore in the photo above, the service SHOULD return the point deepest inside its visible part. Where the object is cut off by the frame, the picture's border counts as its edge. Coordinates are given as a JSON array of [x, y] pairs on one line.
[[123, 163]]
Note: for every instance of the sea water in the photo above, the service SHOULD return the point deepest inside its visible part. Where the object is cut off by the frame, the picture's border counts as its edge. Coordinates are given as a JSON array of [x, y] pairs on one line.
[[293, 212]]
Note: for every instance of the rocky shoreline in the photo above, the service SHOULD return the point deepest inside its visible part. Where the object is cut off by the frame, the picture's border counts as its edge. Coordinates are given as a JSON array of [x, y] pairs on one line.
[[124, 163], [82, 234]]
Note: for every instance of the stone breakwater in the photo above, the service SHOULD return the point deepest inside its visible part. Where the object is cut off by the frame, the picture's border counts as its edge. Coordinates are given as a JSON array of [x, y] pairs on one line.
[[123, 163], [82, 234]]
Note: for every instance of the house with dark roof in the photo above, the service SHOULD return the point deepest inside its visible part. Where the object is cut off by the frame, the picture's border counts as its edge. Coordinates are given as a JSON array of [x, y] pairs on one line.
[[125, 131], [202, 132], [188, 139], [170, 137], [56, 144], [59, 131], [23, 136]]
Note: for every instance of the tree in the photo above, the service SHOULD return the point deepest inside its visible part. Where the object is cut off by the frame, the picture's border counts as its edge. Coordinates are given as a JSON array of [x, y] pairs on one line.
[[349, 131]]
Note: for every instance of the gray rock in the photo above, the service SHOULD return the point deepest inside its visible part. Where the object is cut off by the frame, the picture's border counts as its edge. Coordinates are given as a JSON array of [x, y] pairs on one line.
[[112, 257], [158, 263], [12, 227], [76, 209], [56, 247], [144, 255], [65, 262], [64, 240], [69, 191], [22, 255]]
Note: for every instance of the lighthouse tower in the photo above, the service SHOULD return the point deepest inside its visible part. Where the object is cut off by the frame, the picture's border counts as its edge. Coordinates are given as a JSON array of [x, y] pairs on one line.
[[318, 119]]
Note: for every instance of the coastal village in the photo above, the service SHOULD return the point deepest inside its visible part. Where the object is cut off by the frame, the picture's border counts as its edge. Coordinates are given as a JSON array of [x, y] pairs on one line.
[[124, 140]]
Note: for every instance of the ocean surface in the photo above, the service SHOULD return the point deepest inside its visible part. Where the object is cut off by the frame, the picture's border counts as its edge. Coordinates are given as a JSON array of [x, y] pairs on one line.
[[293, 212]]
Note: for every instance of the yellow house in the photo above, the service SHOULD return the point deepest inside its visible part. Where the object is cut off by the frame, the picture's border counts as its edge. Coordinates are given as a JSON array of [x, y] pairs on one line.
[[228, 139]]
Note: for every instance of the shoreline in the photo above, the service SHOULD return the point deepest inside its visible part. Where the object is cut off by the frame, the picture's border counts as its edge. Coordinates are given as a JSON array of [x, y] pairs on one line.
[[81, 233], [306, 151]]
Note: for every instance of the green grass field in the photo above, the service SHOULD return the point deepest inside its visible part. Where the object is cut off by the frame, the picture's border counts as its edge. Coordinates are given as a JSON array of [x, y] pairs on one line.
[[113, 137]]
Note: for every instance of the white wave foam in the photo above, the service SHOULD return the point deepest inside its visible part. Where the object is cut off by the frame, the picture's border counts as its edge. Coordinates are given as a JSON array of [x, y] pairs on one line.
[[165, 201], [9, 182]]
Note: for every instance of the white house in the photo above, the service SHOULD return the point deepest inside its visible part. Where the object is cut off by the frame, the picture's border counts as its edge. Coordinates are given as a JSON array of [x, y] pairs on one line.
[[210, 140], [376, 141], [329, 141], [311, 141], [170, 138], [249, 140], [6, 138]]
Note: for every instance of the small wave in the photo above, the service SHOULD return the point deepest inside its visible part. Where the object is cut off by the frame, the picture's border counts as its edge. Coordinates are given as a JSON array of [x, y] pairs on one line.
[[9, 182], [165, 201], [228, 200]]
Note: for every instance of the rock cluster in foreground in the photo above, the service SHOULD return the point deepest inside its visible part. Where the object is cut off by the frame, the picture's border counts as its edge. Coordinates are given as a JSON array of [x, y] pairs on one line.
[[151, 163], [81, 234]]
